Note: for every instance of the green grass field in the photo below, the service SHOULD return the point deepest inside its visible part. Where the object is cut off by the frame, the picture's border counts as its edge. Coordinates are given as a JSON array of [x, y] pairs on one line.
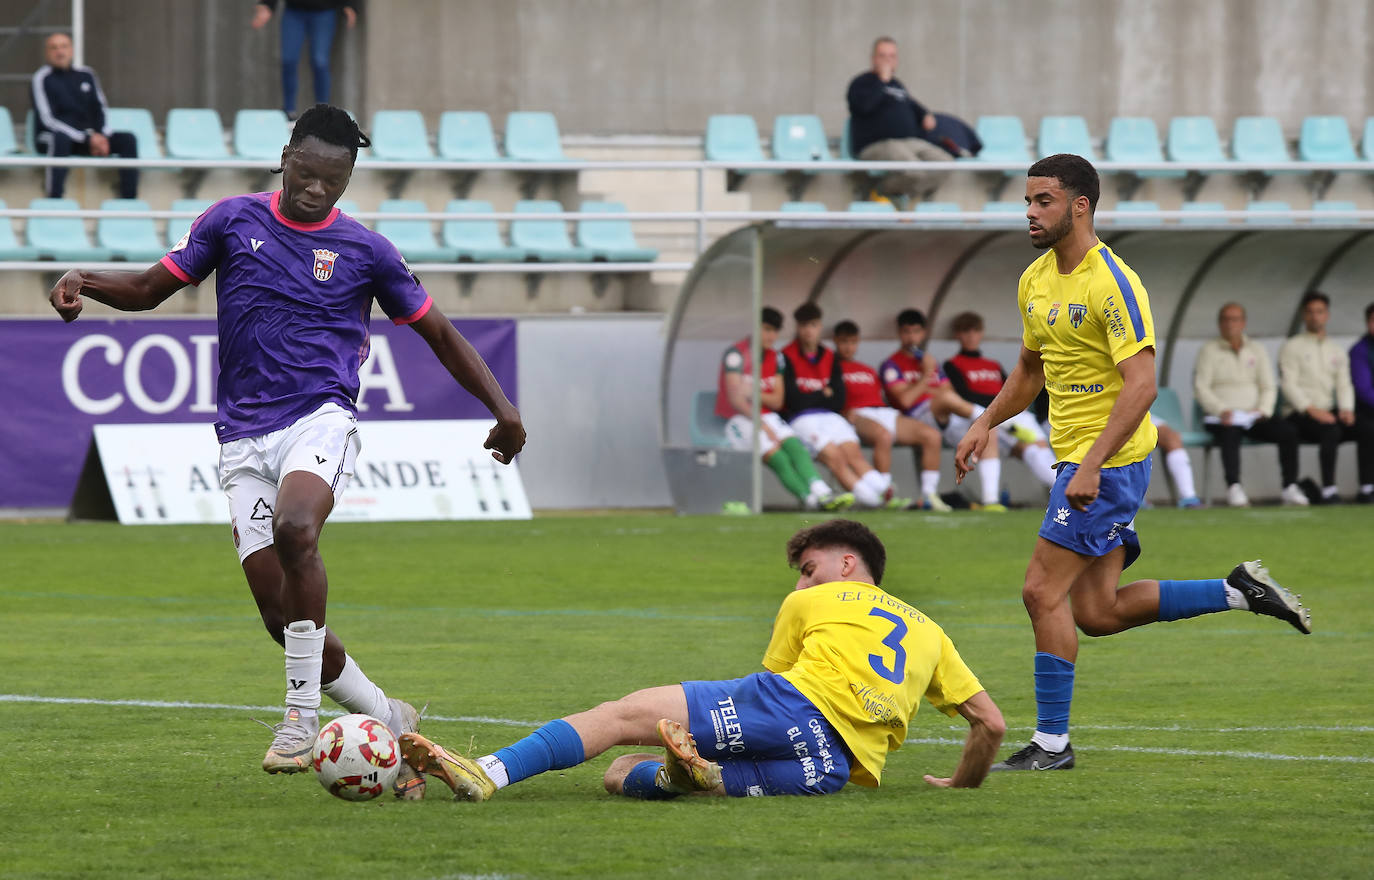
[[1229, 746]]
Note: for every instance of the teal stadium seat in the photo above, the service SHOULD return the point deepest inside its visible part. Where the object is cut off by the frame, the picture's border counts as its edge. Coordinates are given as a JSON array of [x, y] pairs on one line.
[[260, 134], [803, 207], [1004, 214], [195, 133], [1128, 207], [477, 240], [1065, 134], [349, 207], [545, 240], [1194, 139], [1331, 206], [1194, 207], [612, 240], [1004, 140], [799, 138], [413, 238], [707, 428], [1325, 139], [1133, 139], [532, 136], [466, 136], [1263, 212], [30, 145], [1258, 139], [8, 144], [129, 238], [871, 208], [733, 138], [400, 136], [1166, 408], [10, 248], [1005, 207], [1367, 140], [179, 226], [139, 122], [937, 208], [61, 238]]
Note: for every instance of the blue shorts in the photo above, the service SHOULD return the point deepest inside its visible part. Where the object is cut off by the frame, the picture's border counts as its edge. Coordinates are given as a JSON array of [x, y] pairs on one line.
[[1109, 522], [766, 736]]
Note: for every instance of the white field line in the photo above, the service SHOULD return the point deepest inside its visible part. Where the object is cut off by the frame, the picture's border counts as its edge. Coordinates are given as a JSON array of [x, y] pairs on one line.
[[511, 722]]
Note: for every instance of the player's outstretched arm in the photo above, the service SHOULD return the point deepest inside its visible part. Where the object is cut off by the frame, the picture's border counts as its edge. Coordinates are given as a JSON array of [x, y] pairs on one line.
[[985, 731], [466, 365], [126, 291]]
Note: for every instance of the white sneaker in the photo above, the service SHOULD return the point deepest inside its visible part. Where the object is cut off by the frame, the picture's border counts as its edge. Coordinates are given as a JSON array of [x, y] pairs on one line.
[[1236, 497], [292, 740], [1293, 496]]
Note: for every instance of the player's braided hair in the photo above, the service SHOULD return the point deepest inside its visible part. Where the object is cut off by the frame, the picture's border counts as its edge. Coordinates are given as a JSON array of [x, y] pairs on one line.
[[332, 125], [1074, 173], [844, 533]]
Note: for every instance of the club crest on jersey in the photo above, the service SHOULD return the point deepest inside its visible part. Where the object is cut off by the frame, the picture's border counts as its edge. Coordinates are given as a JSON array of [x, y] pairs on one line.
[[1077, 312], [1049, 319], [324, 264]]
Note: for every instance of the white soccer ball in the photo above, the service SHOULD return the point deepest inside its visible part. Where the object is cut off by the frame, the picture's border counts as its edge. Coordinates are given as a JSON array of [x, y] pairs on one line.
[[356, 757]]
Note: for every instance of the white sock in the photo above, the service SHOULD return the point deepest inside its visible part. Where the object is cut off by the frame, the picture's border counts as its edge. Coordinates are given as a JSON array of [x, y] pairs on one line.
[[304, 655], [1181, 469], [1051, 742], [1235, 599], [496, 771], [990, 478], [355, 692], [930, 482], [1366, 488], [821, 489], [881, 481], [1328, 491], [977, 410], [866, 491], [1040, 461]]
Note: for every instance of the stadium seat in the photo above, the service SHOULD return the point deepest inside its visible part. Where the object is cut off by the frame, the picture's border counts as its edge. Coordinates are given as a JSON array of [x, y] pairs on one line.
[[1194, 139], [799, 138], [7, 142], [612, 239], [871, 208], [532, 136], [1193, 207], [413, 238], [139, 122], [1005, 207], [1166, 408], [347, 206], [1128, 207], [129, 238], [803, 207], [1332, 206], [1325, 139], [260, 134], [30, 145], [61, 238], [10, 248], [733, 138], [1263, 212], [179, 226], [1367, 140], [1258, 139], [1065, 134], [195, 133], [1004, 140], [545, 239], [400, 136], [937, 208], [466, 136], [707, 428], [1133, 139], [478, 240]]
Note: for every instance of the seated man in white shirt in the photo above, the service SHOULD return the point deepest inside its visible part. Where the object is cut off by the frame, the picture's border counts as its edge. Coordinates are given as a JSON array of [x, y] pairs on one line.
[[1318, 396]]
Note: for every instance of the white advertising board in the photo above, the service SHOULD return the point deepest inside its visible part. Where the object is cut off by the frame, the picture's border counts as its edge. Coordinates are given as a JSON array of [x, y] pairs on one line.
[[419, 470]]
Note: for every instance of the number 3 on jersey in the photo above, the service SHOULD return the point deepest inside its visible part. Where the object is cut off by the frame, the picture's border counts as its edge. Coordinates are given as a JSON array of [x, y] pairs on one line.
[[897, 671]]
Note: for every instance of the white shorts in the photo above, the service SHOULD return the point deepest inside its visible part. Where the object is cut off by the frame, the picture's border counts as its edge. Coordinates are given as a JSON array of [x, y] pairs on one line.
[[818, 430], [885, 416], [325, 443], [739, 431], [952, 431]]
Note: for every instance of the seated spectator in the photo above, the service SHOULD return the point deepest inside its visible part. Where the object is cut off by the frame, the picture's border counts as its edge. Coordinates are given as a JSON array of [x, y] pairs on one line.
[[977, 379], [1233, 383], [781, 450], [1362, 377], [881, 426], [1318, 397], [914, 386], [70, 118], [886, 125], [813, 398]]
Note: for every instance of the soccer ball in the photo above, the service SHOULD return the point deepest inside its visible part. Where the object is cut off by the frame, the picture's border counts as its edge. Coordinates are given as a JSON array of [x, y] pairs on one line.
[[356, 757]]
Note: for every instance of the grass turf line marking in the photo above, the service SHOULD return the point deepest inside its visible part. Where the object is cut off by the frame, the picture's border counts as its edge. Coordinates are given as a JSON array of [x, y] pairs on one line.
[[1189, 753]]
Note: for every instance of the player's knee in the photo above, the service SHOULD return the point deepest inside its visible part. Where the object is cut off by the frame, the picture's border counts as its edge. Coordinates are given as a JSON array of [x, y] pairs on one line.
[[295, 536], [1037, 596]]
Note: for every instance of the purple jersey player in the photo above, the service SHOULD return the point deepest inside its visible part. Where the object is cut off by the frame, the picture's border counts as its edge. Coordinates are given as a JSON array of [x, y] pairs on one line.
[[295, 286]]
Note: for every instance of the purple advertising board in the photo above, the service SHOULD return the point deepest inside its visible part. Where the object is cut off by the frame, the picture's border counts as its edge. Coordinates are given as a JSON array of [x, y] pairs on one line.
[[61, 379]]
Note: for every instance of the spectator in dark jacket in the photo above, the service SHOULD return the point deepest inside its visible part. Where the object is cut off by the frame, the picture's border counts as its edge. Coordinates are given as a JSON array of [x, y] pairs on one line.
[[70, 118], [301, 20], [886, 124]]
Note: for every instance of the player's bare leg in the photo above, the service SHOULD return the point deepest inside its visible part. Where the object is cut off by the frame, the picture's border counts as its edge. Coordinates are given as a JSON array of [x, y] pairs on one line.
[[1101, 607], [877, 437], [1180, 467], [917, 434], [1050, 576], [868, 485]]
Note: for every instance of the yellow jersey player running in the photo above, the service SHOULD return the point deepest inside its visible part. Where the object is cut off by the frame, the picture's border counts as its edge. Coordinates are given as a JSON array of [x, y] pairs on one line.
[[845, 669], [1088, 338]]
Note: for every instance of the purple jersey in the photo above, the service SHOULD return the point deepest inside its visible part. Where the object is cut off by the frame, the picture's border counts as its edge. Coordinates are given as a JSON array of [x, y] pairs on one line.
[[295, 301]]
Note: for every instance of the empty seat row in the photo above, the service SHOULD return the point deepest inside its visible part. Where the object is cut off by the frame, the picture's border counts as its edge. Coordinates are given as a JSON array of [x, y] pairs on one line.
[[1260, 211], [116, 238]]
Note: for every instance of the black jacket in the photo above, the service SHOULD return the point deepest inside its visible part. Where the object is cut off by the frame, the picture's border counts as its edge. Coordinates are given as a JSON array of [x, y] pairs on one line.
[[880, 111], [68, 101]]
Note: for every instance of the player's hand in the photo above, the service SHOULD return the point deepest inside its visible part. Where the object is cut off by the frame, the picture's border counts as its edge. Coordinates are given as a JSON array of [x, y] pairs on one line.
[[969, 451], [99, 144], [66, 295], [350, 16], [262, 14], [1226, 417], [506, 439], [1347, 417], [939, 782], [1321, 416], [1082, 488], [929, 122]]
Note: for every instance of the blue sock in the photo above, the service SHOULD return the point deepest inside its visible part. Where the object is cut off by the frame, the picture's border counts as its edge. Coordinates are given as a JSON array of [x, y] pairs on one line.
[[1182, 599], [552, 747], [641, 782], [1053, 693]]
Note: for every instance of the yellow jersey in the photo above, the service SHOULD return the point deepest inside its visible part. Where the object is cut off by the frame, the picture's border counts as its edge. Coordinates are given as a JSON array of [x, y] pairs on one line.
[[1083, 324], [864, 658]]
